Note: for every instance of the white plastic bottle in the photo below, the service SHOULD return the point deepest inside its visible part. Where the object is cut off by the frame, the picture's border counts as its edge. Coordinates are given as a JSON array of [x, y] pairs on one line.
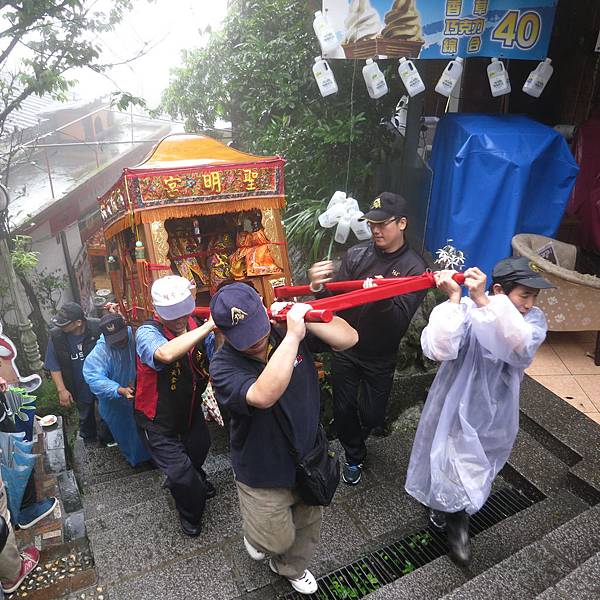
[[325, 33], [332, 215], [338, 197], [450, 77], [343, 229], [538, 78], [498, 76], [375, 80], [360, 228], [324, 76], [410, 77]]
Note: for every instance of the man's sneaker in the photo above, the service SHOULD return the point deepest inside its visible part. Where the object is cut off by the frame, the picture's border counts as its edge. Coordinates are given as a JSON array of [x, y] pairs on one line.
[[305, 584], [253, 552], [110, 444], [351, 474], [29, 560], [29, 516], [437, 518]]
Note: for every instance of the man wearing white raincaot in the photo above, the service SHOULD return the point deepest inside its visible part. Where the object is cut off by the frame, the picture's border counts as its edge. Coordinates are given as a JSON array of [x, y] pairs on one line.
[[471, 416]]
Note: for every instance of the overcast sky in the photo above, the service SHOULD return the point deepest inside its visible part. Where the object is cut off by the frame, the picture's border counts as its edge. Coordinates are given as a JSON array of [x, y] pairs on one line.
[[165, 26]]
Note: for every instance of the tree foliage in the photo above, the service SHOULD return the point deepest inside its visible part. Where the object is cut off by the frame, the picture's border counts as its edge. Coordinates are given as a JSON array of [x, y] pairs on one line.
[[256, 73], [41, 40]]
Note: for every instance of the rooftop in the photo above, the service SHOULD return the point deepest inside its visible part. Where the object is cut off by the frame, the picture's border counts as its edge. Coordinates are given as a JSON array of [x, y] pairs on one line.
[[45, 171]]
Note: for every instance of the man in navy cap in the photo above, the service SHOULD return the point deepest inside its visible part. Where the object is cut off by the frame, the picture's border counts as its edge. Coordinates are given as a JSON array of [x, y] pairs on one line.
[[260, 366], [369, 366], [71, 340], [109, 370]]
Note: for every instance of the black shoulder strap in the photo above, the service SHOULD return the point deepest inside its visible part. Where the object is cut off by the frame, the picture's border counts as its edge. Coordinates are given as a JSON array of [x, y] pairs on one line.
[[287, 432]]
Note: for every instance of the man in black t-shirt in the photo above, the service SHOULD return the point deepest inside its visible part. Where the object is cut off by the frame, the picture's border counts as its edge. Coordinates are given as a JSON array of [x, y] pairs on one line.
[[71, 340], [369, 366], [260, 366]]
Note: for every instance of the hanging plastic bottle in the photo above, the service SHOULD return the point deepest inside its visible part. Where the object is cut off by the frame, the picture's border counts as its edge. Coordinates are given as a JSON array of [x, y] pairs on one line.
[[410, 77], [338, 197], [450, 77], [343, 230], [332, 215], [498, 76], [360, 228], [375, 80], [538, 78], [324, 77], [325, 33]]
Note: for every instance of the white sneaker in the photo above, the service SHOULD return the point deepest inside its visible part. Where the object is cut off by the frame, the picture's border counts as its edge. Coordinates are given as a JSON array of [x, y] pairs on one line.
[[305, 584], [253, 552]]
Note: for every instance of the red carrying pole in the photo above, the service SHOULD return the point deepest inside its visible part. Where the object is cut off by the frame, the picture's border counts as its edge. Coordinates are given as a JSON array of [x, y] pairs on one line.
[[312, 316], [323, 308], [339, 287]]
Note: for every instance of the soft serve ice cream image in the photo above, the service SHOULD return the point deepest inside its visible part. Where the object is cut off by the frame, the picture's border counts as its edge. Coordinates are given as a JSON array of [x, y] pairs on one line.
[[377, 27]]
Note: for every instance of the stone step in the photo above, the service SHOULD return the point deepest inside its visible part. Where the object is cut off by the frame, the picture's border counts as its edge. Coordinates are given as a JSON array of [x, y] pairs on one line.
[[100, 499], [539, 566], [526, 527], [490, 547], [583, 583], [530, 462], [146, 535], [98, 465], [111, 496]]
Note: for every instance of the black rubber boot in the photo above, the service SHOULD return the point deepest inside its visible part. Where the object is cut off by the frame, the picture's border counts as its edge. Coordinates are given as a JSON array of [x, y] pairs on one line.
[[457, 528]]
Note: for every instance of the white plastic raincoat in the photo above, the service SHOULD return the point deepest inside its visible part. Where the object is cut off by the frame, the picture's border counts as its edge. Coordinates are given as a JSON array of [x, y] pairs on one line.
[[471, 416]]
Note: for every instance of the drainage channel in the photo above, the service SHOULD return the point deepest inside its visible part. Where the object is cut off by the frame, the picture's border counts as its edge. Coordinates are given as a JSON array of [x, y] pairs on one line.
[[388, 564]]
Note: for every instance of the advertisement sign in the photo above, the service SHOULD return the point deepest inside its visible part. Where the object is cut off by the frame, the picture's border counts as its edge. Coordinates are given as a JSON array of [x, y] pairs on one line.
[[441, 28]]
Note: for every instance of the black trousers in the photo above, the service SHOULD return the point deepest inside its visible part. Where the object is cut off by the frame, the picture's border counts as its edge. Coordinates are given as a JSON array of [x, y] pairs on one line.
[[181, 458], [91, 425], [361, 389]]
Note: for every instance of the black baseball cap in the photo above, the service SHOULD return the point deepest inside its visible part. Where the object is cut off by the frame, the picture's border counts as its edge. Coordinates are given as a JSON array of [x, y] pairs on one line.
[[519, 269], [67, 313], [114, 328], [239, 313], [384, 207]]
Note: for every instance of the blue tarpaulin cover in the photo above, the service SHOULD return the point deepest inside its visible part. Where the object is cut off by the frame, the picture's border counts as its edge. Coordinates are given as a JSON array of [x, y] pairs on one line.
[[495, 176]]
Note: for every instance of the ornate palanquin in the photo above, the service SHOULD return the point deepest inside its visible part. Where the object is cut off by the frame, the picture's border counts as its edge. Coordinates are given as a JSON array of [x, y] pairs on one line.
[[198, 208]]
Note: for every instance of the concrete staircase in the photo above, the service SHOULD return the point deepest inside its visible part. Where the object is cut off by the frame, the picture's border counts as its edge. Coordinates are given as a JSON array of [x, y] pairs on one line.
[[548, 550]]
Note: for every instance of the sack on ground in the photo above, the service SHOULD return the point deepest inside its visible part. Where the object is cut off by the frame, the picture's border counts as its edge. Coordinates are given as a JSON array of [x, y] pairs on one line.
[[318, 473]]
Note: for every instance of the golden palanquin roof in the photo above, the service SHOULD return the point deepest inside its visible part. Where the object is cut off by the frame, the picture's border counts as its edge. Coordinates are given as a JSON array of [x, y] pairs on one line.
[[192, 175]]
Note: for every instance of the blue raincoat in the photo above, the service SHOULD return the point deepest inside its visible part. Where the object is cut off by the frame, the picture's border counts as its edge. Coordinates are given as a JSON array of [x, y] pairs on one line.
[[471, 416], [106, 368]]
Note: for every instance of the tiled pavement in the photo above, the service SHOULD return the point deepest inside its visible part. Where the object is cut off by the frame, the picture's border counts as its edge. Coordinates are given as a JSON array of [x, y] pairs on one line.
[[565, 366]]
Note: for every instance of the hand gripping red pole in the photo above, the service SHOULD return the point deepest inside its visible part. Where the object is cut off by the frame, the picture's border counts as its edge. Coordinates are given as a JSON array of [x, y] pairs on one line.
[[312, 316]]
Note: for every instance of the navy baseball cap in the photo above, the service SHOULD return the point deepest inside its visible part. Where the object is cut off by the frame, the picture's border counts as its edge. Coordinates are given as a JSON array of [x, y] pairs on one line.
[[67, 313], [114, 328], [519, 269], [239, 313], [384, 207]]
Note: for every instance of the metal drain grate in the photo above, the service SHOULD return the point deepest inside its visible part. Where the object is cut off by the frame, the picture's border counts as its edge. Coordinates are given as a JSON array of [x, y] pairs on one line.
[[383, 566]]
